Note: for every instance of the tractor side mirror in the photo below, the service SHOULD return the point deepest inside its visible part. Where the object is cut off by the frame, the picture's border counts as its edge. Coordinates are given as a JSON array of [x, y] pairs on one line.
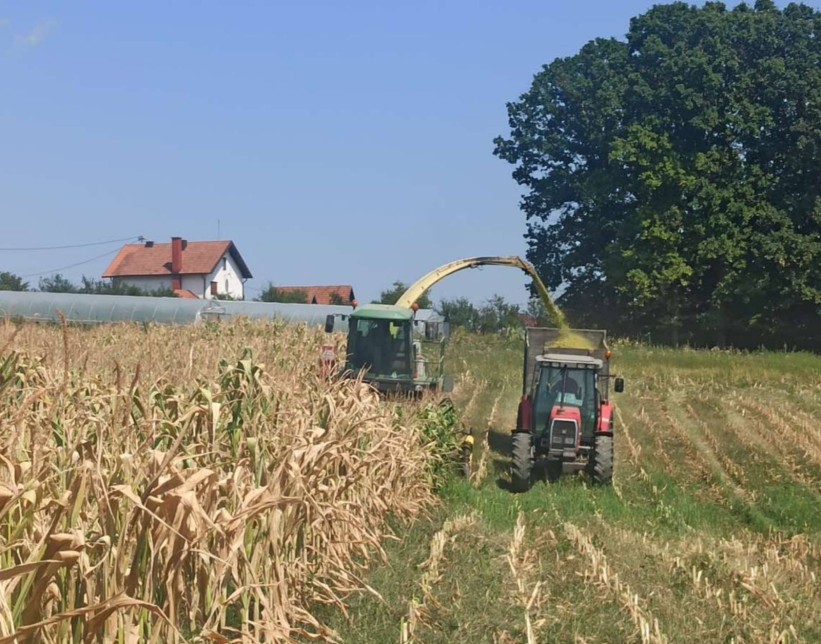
[[329, 324], [619, 385]]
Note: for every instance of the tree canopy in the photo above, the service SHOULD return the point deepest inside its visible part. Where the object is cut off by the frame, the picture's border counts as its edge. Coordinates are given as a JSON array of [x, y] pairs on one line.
[[272, 294], [11, 282], [58, 283], [673, 178], [391, 295], [460, 312], [495, 315]]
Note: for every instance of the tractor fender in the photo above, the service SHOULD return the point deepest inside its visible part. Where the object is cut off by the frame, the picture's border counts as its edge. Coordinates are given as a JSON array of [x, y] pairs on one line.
[[606, 419], [524, 415]]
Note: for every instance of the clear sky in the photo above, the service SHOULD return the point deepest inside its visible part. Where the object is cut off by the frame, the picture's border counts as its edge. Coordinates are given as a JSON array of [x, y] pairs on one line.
[[335, 143]]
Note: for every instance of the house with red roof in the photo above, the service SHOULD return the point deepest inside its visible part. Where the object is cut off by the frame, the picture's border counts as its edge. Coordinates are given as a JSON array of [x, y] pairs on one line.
[[341, 295], [204, 269]]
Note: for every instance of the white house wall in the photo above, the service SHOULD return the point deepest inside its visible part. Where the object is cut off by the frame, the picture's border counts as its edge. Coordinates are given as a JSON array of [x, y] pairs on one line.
[[228, 279], [194, 284]]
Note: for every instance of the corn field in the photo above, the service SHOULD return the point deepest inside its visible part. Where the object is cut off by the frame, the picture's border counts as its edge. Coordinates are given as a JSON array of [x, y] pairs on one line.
[[711, 531], [198, 484]]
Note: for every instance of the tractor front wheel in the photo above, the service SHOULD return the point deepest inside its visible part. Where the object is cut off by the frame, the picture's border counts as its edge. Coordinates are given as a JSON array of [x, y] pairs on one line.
[[522, 462], [601, 461]]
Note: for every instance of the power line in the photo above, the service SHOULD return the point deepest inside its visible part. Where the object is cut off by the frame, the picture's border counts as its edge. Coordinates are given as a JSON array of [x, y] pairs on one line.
[[100, 243], [63, 268]]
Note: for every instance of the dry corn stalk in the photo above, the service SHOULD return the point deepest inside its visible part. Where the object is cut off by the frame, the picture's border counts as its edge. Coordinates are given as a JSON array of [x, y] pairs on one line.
[[150, 487]]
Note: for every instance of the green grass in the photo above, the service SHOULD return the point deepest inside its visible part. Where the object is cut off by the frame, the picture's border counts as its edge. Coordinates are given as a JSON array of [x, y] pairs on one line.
[[714, 521]]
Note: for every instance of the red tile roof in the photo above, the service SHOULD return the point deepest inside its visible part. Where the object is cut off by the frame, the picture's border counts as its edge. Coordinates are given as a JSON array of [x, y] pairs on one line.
[[140, 260], [528, 320], [322, 294], [185, 294]]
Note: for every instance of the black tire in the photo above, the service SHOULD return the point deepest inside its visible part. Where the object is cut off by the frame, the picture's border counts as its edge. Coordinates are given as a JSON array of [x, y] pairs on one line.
[[522, 465], [601, 461]]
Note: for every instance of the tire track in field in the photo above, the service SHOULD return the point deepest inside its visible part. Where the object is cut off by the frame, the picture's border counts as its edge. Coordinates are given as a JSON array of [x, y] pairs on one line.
[[697, 468], [633, 453], [728, 469], [700, 456], [521, 563], [602, 575], [707, 448], [728, 575], [784, 436], [418, 609], [751, 431]]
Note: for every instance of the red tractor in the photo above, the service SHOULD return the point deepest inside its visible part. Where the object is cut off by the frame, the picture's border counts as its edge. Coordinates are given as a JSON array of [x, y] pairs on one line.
[[565, 416]]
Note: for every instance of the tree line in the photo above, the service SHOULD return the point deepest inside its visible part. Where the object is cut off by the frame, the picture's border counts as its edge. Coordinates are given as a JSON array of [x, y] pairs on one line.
[[494, 315], [673, 177], [58, 283]]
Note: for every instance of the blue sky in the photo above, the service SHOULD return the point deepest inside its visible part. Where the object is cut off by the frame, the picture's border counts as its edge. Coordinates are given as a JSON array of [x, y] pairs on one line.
[[334, 142]]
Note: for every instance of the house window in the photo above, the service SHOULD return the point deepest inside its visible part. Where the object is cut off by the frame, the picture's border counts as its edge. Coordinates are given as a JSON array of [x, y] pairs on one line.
[[226, 285], [225, 263], [214, 289]]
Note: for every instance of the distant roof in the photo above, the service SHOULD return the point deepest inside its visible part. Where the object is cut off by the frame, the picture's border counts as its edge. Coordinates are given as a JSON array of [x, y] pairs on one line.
[[382, 312], [185, 294], [322, 294], [198, 258], [528, 320]]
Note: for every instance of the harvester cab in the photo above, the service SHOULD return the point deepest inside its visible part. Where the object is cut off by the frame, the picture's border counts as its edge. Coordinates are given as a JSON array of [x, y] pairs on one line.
[[565, 415], [394, 352]]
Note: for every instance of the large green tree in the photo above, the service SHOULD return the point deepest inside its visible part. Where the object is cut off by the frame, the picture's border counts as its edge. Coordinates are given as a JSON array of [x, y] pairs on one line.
[[498, 315], [11, 282], [460, 312], [673, 178], [57, 283]]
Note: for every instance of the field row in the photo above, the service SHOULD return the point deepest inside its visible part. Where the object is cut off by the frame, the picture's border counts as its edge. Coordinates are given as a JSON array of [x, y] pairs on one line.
[[711, 531]]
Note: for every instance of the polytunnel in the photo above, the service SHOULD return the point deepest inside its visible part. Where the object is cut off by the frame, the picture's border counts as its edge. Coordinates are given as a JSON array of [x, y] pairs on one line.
[[98, 309]]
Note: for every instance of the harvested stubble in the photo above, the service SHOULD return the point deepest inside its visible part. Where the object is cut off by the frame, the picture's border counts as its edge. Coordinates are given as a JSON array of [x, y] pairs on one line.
[[150, 491]]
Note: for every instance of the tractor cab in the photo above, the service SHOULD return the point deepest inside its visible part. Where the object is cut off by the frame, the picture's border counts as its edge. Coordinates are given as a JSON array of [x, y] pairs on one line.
[[565, 401], [565, 415]]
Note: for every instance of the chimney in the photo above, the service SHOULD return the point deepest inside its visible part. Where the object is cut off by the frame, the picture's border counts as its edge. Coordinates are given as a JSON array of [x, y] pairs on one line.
[[176, 255]]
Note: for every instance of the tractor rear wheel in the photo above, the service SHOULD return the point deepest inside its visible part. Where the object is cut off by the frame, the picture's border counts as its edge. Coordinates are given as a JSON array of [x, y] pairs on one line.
[[601, 461], [522, 462]]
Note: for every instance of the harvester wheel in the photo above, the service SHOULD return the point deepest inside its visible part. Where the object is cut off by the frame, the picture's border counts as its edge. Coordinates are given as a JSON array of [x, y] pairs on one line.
[[522, 462], [601, 461]]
